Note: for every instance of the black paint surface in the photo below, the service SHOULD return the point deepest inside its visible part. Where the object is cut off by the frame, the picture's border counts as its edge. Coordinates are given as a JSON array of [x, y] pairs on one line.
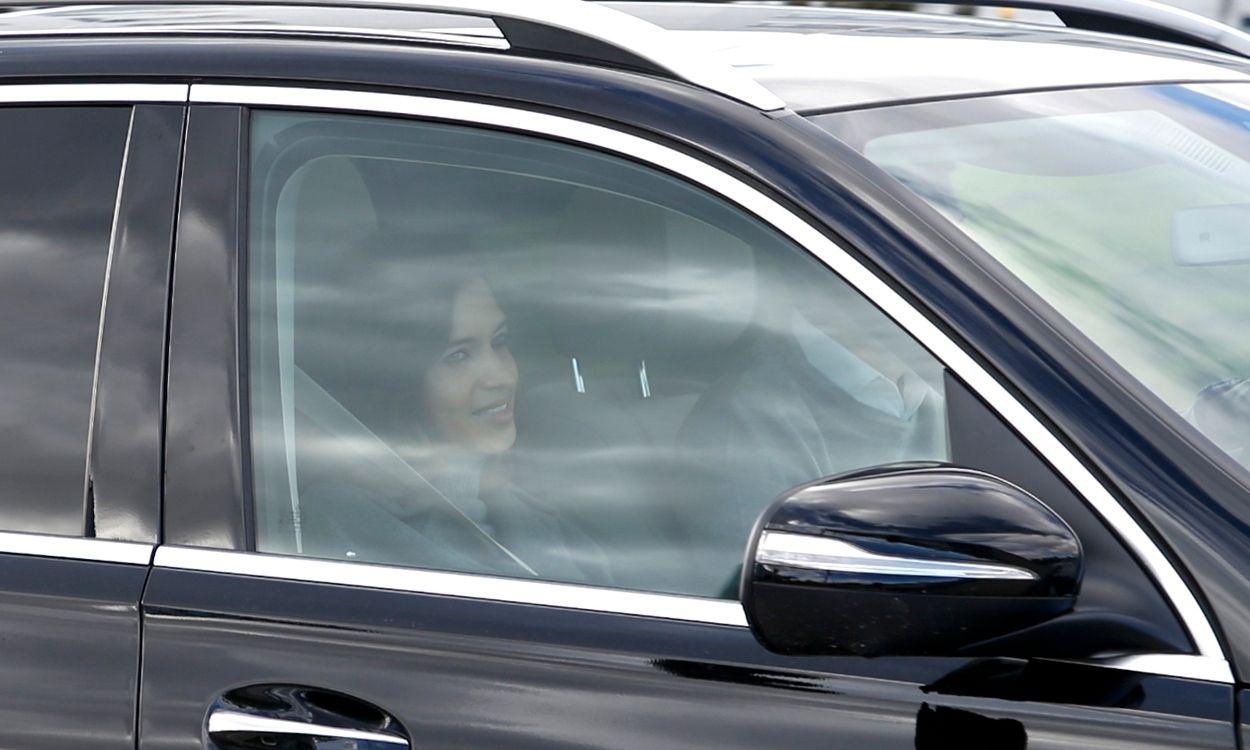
[[60, 168], [69, 667], [125, 468], [463, 673], [203, 453]]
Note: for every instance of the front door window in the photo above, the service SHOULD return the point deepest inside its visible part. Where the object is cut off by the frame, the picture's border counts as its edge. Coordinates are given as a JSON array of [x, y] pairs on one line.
[[491, 353]]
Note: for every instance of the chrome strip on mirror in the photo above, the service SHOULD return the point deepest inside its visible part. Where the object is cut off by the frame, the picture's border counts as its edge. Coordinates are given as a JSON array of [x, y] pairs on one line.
[[1174, 665], [839, 260], [834, 555]]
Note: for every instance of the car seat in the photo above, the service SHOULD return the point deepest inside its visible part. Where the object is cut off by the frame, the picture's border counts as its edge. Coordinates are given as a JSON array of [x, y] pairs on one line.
[[639, 305]]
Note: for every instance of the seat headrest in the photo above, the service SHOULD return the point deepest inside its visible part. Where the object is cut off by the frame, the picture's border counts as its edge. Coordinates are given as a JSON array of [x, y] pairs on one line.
[[632, 281]]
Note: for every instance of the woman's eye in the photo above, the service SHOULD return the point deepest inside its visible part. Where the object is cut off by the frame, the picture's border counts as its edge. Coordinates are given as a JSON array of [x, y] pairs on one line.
[[456, 357]]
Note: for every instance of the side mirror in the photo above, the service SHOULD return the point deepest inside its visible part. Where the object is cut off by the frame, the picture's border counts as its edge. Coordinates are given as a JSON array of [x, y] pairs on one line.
[[906, 560]]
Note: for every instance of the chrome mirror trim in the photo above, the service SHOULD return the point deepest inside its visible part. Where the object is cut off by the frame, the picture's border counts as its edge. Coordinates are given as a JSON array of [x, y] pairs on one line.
[[835, 555], [1186, 666], [231, 722]]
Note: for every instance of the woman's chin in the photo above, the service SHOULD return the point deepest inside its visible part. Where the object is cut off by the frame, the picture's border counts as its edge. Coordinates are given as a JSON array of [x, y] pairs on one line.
[[500, 440]]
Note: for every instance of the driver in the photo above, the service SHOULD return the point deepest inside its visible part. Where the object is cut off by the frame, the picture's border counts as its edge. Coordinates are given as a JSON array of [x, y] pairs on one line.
[[820, 390]]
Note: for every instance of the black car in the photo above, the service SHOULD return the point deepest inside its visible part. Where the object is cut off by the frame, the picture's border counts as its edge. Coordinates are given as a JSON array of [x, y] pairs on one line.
[[383, 374]]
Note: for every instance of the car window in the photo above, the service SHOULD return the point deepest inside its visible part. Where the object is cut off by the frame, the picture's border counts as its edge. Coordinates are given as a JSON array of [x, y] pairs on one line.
[[492, 353], [59, 172], [1125, 209]]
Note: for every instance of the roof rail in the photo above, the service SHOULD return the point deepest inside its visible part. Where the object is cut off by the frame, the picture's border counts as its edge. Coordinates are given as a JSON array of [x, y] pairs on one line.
[[569, 28], [1144, 19]]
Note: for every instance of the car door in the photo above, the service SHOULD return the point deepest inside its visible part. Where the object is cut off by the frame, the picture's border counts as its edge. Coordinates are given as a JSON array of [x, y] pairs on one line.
[[86, 214], [471, 410]]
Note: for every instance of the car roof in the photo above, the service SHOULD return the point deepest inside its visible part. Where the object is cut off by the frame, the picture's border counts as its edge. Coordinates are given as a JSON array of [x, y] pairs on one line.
[[828, 59], [812, 59]]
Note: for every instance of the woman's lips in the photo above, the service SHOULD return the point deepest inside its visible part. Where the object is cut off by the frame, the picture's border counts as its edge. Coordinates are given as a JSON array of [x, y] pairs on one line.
[[499, 412]]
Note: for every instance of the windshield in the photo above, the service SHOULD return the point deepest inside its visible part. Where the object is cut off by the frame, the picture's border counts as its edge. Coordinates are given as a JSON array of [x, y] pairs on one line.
[[1126, 209]]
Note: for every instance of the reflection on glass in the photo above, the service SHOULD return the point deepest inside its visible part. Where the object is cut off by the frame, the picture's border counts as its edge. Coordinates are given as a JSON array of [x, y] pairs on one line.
[[60, 167], [492, 354], [1126, 209]]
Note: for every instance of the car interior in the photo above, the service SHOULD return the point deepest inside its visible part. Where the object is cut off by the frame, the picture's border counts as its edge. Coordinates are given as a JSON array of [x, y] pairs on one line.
[[624, 312]]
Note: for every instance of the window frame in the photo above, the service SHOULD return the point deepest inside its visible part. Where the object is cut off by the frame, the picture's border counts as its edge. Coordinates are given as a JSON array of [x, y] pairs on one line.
[[1208, 664]]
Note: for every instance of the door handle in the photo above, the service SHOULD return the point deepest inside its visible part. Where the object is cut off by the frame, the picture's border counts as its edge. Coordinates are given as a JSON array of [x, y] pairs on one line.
[[234, 729], [290, 717]]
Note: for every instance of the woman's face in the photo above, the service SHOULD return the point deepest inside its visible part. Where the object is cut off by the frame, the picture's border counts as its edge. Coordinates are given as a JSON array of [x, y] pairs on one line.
[[469, 390]]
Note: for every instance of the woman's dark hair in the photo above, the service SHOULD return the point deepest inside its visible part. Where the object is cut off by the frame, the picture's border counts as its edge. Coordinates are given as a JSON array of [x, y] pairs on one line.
[[378, 319]]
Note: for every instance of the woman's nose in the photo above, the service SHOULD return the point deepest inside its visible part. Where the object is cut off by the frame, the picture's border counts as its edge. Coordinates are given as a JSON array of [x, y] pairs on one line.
[[499, 370]]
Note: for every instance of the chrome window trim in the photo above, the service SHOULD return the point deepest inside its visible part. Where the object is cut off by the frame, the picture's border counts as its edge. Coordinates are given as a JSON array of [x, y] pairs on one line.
[[75, 548], [85, 93], [463, 585], [1213, 664], [104, 306]]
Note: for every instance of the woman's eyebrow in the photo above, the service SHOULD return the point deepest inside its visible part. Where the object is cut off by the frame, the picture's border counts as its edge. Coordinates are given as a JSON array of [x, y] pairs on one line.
[[467, 340]]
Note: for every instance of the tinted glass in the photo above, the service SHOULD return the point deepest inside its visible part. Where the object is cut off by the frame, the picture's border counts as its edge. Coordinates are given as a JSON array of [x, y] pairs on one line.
[[59, 171], [490, 353], [1128, 210]]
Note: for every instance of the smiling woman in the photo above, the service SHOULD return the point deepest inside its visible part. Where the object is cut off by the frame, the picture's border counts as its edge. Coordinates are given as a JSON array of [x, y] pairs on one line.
[[385, 382], [467, 393], [454, 378], [436, 392]]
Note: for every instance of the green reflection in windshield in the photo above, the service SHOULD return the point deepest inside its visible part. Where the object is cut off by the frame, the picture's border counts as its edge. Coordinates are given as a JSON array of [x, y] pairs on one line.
[[1107, 206]]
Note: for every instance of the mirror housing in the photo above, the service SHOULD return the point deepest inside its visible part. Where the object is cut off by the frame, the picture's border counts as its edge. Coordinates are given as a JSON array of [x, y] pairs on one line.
[[910, 559]]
